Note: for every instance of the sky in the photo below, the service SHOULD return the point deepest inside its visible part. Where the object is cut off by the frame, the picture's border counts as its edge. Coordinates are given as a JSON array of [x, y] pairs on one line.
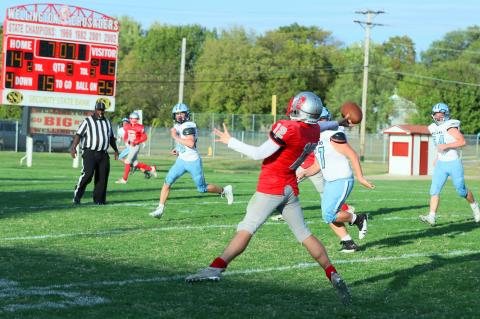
[[424, 21]]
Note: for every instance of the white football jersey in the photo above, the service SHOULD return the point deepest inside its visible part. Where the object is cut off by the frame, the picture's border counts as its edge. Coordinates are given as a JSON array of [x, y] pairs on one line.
[[333, 164], [441, 136], [186, 153]]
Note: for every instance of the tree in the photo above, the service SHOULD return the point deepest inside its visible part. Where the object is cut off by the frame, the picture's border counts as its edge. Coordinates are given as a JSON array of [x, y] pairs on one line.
[[149, 75], [451, 82], [239, 72], [451, 46], [130, 33], [401, 51]]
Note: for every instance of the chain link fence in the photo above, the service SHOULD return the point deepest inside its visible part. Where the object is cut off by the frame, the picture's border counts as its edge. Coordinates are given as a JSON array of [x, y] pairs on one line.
[[251, 129]]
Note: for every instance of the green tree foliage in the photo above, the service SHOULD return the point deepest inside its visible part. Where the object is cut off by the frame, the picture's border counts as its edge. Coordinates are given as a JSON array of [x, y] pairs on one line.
[[451, 46], [130, 33], [401, 52], [349, 83], [149, 76], [451, 82], [238, 72]]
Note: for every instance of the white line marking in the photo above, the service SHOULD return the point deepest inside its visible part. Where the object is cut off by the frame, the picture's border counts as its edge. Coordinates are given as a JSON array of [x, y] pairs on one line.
[[172, 203], [257, 270], [186, 228], [9, 290]]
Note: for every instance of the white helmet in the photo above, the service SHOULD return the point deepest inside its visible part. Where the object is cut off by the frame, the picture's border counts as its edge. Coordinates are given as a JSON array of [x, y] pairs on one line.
[[306, 107], [134, 117]]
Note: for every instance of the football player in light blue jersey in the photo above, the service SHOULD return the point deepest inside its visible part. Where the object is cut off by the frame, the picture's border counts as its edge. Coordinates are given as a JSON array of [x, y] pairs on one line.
[[184, 133], [448, 139], [333, 156]]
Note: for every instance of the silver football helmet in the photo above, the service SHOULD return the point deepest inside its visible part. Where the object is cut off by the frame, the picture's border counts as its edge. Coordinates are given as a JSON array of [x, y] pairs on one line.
[[306, 107]]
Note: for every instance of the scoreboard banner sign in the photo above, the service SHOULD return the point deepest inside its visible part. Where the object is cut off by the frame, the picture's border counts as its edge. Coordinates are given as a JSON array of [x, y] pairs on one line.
[[59, 56], [55, 121]]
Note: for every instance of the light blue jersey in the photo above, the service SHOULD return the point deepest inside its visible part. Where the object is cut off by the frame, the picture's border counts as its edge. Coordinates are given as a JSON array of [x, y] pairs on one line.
[[448, 162]]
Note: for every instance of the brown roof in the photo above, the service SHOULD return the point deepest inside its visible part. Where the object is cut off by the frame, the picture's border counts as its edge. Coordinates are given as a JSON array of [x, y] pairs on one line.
[[411, 129]]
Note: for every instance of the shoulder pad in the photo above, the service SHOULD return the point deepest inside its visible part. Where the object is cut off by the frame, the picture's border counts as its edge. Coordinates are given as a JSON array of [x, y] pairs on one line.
[[339, 137], [452, 123], [189, 124], [188, 131]]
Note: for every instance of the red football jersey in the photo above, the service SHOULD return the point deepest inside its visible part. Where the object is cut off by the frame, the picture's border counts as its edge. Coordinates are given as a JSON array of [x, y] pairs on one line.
[[276, 172], [134, 133]]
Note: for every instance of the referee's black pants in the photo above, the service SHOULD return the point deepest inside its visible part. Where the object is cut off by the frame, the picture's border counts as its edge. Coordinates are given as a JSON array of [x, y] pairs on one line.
[[95, 163]]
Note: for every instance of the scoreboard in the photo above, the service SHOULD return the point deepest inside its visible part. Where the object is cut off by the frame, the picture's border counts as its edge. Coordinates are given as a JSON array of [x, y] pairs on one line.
[[59, 56]]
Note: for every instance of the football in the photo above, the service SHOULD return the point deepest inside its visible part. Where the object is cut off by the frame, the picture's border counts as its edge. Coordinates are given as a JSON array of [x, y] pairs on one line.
[[353, 110]]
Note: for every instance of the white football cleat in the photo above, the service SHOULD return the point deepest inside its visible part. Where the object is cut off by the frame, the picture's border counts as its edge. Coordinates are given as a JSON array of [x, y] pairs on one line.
[[475, 211], [228, 193], [120, 181], [154, 170], [206, 274], [427, 219], [158, 212], [277, 218]]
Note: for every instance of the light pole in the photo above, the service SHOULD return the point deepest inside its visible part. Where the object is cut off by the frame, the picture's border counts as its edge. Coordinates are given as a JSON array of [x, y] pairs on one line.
[[366, 25]]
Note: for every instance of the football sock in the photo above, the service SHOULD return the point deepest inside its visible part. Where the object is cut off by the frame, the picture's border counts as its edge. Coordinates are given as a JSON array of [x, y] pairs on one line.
[[126, 171], [474, 205], [432, 215], [354, 218], [219, 263], [344, 207], [329, 270], [144, 166], [346, 237]]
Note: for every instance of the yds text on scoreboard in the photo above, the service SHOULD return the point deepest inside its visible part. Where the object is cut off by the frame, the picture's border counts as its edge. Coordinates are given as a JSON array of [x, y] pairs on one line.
[[59, 56]]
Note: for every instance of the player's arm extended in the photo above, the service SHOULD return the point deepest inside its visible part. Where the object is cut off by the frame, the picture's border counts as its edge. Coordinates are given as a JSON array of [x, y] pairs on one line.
[[460, 140], [345, 149], [254, 152], [328, 125]]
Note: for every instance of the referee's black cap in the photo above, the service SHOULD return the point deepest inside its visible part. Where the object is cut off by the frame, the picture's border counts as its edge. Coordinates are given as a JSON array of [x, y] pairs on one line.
[[100, 105]]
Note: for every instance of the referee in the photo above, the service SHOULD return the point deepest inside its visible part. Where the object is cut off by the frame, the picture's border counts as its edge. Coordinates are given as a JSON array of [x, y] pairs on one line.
[[95, 134]]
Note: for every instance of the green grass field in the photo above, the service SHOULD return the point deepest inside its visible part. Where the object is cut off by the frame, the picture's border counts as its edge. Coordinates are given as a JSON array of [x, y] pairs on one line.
[[115, 261]]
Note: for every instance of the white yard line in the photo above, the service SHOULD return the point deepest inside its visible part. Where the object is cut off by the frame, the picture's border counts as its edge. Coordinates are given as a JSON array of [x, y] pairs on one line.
[[64, 298], [183, 228], [152, 205], [257, 270]]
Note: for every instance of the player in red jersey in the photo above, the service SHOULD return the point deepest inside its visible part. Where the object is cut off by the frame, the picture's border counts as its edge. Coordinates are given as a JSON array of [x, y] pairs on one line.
[[289, 143], [316, 179], [134, 136]]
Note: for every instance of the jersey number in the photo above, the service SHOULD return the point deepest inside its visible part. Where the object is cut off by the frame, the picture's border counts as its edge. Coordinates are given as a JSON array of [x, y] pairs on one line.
[[441, 139], [321, 156]]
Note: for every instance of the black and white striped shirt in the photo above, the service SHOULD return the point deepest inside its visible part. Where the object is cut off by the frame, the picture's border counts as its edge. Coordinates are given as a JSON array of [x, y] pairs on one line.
[[95, 133]]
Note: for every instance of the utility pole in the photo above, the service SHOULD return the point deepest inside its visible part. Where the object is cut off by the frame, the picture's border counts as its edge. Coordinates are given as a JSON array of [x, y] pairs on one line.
[[182, 71], [366, 25]]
